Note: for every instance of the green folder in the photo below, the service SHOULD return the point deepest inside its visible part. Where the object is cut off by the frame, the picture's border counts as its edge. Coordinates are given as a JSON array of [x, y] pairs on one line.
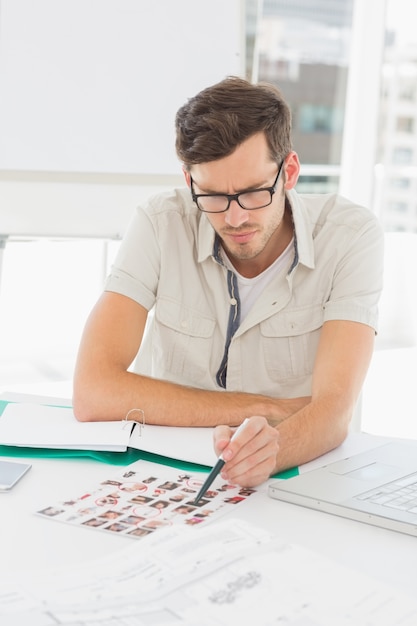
[[114, 458]]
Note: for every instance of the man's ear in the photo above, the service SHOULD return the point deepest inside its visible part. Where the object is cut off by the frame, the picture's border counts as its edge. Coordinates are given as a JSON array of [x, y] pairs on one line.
[[291, 170], [187, 176]]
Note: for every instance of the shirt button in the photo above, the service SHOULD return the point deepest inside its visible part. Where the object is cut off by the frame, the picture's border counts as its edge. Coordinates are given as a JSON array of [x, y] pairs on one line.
[[233, 301]]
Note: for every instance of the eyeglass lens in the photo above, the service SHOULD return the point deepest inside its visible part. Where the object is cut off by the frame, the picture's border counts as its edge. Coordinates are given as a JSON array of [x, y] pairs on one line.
[[248, 200]]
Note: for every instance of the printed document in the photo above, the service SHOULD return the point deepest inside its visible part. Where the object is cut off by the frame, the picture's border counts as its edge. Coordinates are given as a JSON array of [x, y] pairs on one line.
[[225, 573]]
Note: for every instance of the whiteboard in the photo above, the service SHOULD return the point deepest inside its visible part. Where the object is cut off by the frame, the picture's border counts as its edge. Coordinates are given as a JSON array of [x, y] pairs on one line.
[[94, 85], [32, 205]]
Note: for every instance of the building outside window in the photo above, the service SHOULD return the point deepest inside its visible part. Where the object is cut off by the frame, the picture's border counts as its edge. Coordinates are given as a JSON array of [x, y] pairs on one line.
[[304, 48], [397, 150]]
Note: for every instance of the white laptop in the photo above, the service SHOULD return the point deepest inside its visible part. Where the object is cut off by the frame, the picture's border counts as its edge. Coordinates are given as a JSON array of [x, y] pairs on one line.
[[378, 487]]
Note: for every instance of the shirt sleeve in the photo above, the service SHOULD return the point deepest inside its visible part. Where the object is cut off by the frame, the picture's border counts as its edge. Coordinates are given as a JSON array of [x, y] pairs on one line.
[[135, 271], [358, 277]]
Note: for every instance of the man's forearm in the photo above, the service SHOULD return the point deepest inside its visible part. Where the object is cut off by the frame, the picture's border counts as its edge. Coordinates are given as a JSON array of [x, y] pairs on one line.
[[319, 427], [171, 404]]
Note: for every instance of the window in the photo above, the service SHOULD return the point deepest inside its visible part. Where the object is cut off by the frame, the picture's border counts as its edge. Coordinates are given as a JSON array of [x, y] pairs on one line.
[[407, 91], [405, 125], [320, 118], [402, 156], [400, 183], [397, 147], [304, 48], [398, 207]]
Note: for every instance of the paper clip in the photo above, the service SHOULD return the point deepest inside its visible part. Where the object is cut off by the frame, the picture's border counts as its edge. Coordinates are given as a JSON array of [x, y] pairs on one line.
[[140, 423]]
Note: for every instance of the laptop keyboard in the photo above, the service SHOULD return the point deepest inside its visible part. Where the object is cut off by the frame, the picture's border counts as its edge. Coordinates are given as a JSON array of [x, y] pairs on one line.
[[399, 494]]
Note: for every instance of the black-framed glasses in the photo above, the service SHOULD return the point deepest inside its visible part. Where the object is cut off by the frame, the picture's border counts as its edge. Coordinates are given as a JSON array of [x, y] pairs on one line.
[[250, 200]]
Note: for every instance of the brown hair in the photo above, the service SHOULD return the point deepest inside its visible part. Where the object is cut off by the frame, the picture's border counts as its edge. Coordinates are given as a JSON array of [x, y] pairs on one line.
[[213, 123]]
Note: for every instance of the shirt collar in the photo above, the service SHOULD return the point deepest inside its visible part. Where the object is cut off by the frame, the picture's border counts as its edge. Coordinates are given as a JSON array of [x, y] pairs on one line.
[[206, 239], [303, 229]]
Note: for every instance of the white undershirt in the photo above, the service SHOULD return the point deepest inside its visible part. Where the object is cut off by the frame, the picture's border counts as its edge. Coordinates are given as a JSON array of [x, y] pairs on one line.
[[251, 288]]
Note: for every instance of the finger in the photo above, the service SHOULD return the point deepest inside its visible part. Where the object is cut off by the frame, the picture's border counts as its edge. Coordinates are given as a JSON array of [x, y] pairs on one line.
[[251, 429], [224, 435], [221, 438], [262, 461], [258, 435], [253, 477], [256, 462]]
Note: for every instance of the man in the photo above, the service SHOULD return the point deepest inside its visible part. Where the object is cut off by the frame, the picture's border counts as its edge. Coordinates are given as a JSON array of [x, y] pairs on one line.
[[264, 302]]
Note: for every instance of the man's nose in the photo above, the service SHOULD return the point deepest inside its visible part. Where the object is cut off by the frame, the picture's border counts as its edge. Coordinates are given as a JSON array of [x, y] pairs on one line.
[[235, 215]]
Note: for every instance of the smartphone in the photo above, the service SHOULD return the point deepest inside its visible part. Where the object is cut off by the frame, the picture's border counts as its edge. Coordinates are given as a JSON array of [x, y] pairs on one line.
[[11, 472]]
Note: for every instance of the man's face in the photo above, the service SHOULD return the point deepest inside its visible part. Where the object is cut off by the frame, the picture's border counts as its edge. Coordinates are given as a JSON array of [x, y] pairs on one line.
[[251, 239]]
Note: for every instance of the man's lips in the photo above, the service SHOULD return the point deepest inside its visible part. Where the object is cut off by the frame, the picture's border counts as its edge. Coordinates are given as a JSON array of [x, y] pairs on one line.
[[240, 237]]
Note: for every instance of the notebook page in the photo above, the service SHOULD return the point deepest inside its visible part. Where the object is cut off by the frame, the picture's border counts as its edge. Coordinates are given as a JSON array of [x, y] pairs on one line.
[[40, 426]]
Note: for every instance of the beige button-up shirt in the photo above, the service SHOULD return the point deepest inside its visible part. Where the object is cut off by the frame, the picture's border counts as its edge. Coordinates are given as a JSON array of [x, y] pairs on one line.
[[169, 263]]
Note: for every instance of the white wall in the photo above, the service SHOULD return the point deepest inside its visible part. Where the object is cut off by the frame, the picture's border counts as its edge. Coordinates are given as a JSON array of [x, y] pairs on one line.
[[88, 95]]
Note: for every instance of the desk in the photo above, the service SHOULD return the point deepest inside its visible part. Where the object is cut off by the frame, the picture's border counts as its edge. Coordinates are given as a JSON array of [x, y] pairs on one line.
[[31, 542]]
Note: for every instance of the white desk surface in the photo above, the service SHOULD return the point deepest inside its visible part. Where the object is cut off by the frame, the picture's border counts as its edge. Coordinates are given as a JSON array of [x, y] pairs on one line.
[[31, 542]]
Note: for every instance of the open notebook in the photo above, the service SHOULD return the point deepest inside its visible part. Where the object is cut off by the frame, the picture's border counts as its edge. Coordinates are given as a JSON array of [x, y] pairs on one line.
[[40, 426], [378, 487]]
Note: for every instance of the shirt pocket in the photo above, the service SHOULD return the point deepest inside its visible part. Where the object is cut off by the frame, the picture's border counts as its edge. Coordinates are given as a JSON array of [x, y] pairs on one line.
[[290, 340], [183, 342]]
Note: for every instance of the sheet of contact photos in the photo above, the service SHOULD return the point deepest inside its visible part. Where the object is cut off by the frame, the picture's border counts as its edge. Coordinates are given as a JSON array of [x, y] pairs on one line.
[[146, 496]]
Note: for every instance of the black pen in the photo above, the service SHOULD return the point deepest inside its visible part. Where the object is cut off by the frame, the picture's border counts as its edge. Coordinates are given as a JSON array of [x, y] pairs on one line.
[[218, 467]]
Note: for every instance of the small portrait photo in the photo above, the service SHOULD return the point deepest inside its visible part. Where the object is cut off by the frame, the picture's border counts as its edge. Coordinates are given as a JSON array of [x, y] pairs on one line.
[[139, 532], [160, 504], [169, 485], [149, 480], [132, 486], [153, 524], [110, 514], [90, 510], [234, 500], [183, 477], [106, 500], [116, 527], [129, 474], [51, 511], [177, 497], [193, 521], [94, 522], [141, 500], [115, 483], [203, 514], [226, 487], [132, 519], [184, 509], [201, 502], [211, 494], [246, 492]]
